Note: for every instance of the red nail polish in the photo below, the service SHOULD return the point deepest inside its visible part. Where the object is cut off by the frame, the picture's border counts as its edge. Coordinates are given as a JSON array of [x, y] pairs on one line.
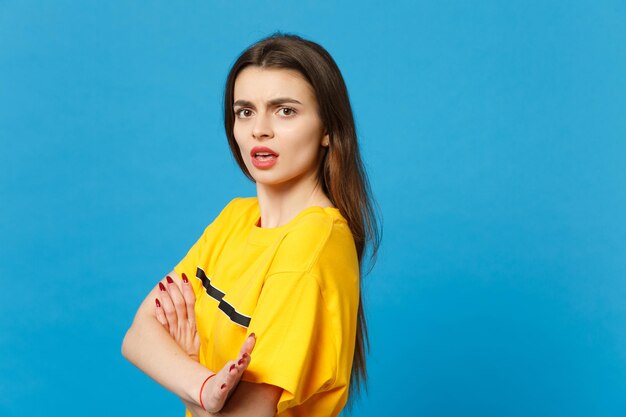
[[185, 280], [240, 361], [169, 280], [252, 335], [161, 286], [223, 386], [158, 303], [232, 367], [244, 356]]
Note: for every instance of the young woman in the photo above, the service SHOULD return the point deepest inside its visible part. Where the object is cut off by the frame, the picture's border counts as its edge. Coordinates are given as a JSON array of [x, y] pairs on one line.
[[270, 293]]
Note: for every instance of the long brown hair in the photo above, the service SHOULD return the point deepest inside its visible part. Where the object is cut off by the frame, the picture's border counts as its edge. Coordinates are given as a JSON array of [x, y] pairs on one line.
[[341, 172]]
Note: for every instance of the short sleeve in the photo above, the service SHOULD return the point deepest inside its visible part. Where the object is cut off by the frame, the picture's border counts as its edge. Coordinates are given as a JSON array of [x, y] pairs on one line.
[[295, 349], [189, 264]]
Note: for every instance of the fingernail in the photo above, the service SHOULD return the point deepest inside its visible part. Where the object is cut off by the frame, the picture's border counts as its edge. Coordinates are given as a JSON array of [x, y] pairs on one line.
[[223, 386], [232, 367], [240, 361], [169, 280], [161, 286], [252, 335], [185, 280], [158, 303], [244, 356]]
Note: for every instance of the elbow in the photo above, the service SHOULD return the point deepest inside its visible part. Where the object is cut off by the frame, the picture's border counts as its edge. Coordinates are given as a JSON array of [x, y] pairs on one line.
[[126, 343], [133, 340]]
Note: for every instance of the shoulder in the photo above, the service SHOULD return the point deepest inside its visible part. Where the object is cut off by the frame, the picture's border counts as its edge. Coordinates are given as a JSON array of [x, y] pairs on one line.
[[237, 208], [317, 237], [238, 204]]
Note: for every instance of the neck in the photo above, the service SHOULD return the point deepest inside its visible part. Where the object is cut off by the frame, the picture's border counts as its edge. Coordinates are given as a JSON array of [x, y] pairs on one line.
[[280, 203]]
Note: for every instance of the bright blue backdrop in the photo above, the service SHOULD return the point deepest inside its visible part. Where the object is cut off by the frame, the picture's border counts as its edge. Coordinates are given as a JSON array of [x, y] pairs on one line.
[[495, 138]]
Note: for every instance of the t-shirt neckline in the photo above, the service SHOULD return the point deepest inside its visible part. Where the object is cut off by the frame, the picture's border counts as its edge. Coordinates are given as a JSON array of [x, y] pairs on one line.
[[264, 235]]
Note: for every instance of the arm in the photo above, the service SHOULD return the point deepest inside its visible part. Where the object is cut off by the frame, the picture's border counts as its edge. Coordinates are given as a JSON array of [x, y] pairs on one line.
[[153, 350], [248, 399], [153, 344]]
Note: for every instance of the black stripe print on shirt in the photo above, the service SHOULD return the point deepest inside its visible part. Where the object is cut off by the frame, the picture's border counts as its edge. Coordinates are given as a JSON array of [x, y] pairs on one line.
[[218, 295]]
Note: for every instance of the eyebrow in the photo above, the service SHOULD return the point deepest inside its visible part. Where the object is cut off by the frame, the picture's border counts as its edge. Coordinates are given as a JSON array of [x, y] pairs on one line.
[[273, 102]]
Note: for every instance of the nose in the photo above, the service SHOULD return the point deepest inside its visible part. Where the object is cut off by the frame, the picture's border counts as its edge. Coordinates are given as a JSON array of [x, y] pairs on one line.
[[262, 127]]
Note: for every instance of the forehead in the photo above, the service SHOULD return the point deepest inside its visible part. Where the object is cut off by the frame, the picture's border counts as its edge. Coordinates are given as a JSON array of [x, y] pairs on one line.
[[256, 83]]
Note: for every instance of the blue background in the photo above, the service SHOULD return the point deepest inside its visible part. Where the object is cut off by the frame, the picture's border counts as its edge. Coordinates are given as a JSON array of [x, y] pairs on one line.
[[495, 139]]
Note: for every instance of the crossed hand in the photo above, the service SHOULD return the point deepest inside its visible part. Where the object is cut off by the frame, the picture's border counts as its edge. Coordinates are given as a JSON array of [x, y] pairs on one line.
[[175, 311]]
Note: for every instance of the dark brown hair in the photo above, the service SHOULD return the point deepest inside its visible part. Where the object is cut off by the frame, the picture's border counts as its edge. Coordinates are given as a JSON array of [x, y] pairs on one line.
[[341, 172]]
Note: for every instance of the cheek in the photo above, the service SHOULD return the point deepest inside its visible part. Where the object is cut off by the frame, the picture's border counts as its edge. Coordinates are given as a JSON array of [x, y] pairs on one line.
[[303, 136], [303, 148], [237, 132]]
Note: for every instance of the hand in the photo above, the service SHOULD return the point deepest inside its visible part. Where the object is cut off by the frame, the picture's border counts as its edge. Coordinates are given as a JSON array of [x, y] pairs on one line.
[[176, 312], [220, 387]]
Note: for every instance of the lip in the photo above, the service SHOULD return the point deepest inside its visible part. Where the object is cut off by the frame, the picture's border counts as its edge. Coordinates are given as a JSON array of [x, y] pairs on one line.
[[262, 149], [265, 163]]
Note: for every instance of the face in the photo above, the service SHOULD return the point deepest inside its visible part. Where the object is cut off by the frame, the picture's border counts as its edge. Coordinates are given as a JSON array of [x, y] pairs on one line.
[[280, 135]]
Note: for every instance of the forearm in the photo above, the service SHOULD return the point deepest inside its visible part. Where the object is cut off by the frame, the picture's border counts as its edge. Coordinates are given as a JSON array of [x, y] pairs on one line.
[[149, 345], [196, 410], [248, 400], [150, 348]]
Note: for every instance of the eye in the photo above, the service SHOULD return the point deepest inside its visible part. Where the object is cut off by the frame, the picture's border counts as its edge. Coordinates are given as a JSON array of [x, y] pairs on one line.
[[287, 111], [242, 113]]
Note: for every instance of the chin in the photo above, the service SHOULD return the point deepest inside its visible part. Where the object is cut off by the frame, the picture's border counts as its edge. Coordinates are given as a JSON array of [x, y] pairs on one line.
[[268, 181]]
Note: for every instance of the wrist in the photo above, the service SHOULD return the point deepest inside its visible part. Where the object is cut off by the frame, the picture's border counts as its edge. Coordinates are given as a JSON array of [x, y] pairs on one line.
[[201, 393], [195, 383]]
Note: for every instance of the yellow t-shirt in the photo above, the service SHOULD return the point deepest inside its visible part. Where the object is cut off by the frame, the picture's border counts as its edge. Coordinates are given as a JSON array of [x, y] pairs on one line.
[[295, 286]]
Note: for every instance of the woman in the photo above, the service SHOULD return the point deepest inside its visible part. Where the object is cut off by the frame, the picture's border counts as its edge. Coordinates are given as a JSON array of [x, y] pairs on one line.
[[279, 273]]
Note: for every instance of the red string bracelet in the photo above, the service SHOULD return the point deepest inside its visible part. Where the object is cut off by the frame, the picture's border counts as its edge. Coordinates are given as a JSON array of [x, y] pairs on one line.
[[202, 387]]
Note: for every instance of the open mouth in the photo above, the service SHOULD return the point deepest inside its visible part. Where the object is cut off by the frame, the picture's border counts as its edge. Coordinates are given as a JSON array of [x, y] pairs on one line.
[[264, 156]]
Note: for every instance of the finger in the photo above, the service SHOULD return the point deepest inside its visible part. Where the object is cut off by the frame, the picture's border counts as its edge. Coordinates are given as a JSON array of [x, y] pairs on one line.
[[190, 300], [223, 386], [169, 309], [244, 357], [231, 377], [235, 372], [243, 362], [177, 299], [224, 380], [248, 345], [160, 314]]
